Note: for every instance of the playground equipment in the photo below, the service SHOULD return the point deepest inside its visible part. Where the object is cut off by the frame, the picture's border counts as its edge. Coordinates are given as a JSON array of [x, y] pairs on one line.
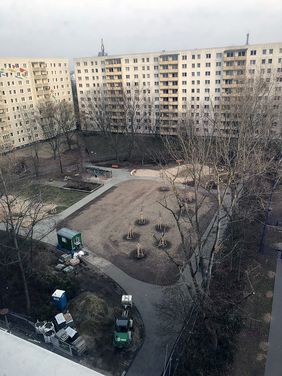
[[123, 324]]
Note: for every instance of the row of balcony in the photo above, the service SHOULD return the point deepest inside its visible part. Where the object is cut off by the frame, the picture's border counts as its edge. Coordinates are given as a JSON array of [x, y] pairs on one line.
[[234, 58], [233, 67]]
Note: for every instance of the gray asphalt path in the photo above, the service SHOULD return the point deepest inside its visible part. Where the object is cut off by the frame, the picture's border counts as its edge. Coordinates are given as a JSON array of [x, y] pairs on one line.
[[274, 356]]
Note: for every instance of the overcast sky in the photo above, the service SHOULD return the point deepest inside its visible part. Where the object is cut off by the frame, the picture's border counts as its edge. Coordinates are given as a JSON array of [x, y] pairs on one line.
[[74, 28]]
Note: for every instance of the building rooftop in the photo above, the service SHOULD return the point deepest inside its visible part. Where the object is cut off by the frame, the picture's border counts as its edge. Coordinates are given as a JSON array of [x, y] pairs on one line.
[[164, 52], [67, 233], [21, 357]]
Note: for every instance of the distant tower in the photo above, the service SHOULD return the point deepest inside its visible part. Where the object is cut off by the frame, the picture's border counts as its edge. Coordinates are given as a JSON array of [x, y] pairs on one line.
[[247, 40], [102, 52]]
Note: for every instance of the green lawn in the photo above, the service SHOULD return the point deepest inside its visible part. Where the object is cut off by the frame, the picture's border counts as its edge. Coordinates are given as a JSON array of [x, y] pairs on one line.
[[63, 198]]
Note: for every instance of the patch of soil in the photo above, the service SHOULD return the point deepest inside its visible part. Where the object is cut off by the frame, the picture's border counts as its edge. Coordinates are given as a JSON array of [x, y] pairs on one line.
[[81, 185], [165, 247], [164, 189], [164, 228], [133, 255], [135, 238], [143, 223]]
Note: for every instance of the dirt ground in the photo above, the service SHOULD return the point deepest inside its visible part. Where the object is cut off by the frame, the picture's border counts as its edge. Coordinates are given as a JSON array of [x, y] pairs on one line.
[[105, 223], [47, 166], [179, 174], [101, 354]]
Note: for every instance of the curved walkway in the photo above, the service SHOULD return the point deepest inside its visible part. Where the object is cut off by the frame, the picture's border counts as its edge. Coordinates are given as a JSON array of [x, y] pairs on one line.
[[150, 359]]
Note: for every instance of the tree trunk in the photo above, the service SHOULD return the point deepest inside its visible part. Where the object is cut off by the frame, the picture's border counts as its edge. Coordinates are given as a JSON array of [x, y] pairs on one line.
[[60, 162]]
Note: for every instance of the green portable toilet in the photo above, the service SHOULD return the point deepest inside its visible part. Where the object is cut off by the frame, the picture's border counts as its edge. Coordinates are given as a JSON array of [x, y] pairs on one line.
[[69, 240]]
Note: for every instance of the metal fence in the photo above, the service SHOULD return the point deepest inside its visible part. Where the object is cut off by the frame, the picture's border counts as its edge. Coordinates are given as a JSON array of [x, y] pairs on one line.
[[173, 360]]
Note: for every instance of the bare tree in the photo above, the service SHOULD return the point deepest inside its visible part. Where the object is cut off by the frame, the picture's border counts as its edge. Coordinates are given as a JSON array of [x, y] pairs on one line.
[[120, 114], [47, 118], [231, 152], [100, 112], [65, 119], [33, 132], [20, 212]]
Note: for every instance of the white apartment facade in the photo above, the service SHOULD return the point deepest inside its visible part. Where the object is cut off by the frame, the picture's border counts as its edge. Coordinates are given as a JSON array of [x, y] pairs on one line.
[[178, 82], [24, 82]]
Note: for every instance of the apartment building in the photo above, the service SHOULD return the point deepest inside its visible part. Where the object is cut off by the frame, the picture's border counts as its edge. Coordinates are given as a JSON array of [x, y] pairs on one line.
[[174, 83], [24, 82]]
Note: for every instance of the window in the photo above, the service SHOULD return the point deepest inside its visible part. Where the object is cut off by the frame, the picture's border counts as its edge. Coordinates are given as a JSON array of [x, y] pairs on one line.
[[208, 56], [269, 61], [264, 52], [253, 52], [155, 59], [184, 66], [193, 57], [208, 65], [207, 73], [252, 62], [218, 55], [218, 64], [184, 57], [135, 60], [270, 51], [126, 61], [241, 53], [263, 61]]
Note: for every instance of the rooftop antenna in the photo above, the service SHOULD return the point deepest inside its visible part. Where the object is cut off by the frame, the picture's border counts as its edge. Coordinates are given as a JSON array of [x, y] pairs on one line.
[[247, 40], [102, 52]]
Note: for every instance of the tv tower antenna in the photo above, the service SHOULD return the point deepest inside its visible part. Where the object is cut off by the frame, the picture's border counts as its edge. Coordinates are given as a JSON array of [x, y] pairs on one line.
[[102, 52], [247, 40]]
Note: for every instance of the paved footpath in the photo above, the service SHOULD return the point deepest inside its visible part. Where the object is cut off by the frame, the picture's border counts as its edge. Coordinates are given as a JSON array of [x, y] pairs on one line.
[[273, 365], [274, 356], [150, 359]]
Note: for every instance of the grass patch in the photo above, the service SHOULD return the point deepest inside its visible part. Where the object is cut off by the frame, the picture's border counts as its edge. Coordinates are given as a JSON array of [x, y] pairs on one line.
[[53, 195]]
